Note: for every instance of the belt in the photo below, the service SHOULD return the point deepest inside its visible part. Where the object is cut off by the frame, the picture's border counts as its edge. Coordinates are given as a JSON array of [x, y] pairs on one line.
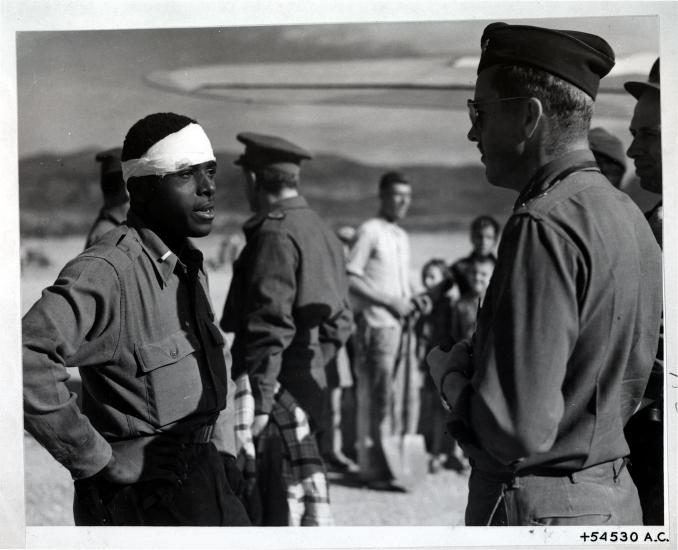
[[616, 466], [199, 436]]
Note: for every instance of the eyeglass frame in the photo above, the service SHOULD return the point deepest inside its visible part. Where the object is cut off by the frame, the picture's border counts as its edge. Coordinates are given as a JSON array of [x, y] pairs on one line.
[[473, 112]]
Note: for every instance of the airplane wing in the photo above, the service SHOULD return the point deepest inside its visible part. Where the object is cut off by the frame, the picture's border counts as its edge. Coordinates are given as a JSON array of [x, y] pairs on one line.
[[421, 83], [415, 82]]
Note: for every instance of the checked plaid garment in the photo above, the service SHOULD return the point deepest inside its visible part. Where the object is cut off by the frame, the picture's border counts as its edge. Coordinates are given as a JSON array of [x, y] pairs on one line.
[[303, 471]]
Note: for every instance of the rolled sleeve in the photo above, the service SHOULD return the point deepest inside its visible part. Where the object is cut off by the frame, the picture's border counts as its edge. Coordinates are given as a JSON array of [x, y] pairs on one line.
[[360, 251], [81, 307], [521, 363]]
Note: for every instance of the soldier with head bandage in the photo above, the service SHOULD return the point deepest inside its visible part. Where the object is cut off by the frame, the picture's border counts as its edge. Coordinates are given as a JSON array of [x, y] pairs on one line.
[[174, 152], [133, 314]]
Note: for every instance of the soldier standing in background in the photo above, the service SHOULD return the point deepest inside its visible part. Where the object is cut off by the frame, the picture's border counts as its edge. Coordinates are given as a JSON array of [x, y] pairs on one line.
[[116, 199], [288, 309], [645, 430], [569, 326], [608, 151]]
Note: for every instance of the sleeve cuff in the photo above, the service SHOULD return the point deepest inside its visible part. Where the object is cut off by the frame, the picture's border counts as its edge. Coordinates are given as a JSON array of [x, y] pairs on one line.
[[351, 270], [90, 459], [263, 403]]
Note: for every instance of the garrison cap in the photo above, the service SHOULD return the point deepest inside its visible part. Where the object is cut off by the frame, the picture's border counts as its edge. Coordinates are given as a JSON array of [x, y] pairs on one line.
[[262, 151], [636, 89], [110, 161], [579, 58], [604, 143]]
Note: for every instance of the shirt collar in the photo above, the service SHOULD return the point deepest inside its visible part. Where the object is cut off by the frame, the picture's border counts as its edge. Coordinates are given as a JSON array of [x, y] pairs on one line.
[[288, 204], [114, 213], [543, 178], [164, 261], [281, 205]]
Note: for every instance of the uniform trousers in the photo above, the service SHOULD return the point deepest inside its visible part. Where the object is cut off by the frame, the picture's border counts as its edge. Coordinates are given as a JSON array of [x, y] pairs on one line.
[[203, 498], [600, 495]]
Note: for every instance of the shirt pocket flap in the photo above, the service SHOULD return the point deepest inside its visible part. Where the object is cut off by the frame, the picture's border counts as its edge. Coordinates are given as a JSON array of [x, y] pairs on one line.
[[215, 333], [165, 352]]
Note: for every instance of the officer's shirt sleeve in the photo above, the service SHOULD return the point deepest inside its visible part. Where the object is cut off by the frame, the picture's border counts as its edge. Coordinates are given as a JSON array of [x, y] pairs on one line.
[[268, 326], [335, 331], [81, 308], [530, 325]]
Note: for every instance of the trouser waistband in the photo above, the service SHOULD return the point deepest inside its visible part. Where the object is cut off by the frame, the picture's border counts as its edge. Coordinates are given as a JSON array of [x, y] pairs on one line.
[[615, 466], [199, 436]]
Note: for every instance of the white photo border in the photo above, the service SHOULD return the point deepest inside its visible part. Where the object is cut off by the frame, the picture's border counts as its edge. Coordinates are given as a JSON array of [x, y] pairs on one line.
[[36, 15]]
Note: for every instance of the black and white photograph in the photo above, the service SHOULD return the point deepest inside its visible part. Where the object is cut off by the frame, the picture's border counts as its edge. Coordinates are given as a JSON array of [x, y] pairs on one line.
[[399, 273]]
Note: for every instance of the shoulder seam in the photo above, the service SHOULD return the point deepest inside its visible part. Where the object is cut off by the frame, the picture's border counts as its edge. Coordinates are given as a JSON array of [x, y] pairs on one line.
[[106, 260], [552, 226]]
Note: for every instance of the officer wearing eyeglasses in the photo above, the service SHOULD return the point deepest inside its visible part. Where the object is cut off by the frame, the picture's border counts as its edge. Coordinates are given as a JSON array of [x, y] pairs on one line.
[[645, 430], [569, 326]]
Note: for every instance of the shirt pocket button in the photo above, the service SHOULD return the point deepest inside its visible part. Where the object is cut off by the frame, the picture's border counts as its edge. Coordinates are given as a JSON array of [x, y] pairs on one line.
[[173, 354]]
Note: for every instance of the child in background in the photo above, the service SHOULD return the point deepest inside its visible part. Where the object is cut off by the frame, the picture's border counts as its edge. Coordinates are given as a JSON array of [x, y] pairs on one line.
[[431, 328], [484, 235], [465, 310]]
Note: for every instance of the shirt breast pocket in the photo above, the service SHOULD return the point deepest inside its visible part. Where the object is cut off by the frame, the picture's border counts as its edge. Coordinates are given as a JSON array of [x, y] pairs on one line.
[[174, 382]]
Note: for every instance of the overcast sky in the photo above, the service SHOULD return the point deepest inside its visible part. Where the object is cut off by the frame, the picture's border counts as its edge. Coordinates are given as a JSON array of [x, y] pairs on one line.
[[80, 89]]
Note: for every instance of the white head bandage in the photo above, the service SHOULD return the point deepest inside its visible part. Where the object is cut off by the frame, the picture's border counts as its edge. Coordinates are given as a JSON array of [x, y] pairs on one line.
[[175, 152]]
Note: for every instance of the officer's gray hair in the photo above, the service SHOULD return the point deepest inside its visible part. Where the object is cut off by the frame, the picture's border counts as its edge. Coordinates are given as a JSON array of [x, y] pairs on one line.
[[567, 107], [274, 181]]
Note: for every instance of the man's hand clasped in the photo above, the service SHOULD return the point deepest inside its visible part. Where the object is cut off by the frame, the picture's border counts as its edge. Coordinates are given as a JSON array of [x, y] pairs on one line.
[[259, 424], [451, 369], [144, 459], [401, 307]]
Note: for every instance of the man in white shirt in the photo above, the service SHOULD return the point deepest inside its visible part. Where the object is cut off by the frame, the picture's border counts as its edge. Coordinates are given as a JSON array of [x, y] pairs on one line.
[[378, 269]]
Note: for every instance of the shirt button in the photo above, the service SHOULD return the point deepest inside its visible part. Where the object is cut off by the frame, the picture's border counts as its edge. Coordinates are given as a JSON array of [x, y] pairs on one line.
[[173, 354]]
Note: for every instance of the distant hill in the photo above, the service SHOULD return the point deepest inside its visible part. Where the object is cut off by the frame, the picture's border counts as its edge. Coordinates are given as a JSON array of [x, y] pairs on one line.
[[59, 195]]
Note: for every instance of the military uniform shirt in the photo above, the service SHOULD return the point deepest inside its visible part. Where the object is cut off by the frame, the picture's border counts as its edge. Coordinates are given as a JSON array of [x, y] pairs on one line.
[[108, 218], [568, 330], [137, 322], [287, 305]]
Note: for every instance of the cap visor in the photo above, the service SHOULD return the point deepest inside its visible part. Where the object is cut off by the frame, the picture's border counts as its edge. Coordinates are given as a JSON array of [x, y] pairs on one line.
[[637, 88]]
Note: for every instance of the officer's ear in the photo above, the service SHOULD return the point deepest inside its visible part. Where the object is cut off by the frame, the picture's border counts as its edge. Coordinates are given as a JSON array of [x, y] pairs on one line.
[[533, 114], [251, 177]]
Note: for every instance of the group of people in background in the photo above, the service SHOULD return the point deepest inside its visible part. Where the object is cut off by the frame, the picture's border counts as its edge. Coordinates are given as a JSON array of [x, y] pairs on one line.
[[523, 364]]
